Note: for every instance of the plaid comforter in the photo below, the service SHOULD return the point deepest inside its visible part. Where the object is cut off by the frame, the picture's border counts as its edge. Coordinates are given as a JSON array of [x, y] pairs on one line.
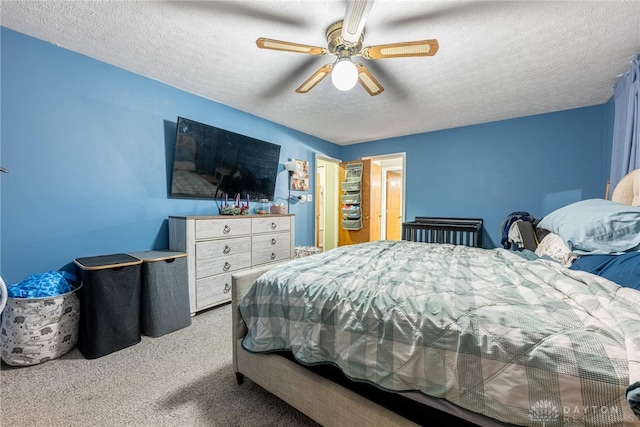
[[524, 341]]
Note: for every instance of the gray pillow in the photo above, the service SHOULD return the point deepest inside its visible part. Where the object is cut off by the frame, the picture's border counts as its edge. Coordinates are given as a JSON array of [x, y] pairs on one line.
[[596, 226]]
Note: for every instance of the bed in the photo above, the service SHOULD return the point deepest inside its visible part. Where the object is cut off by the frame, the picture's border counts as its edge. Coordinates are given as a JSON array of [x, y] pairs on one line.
[[497, 338]]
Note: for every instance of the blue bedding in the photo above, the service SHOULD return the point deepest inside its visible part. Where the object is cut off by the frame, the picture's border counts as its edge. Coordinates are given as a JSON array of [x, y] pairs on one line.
[[622, 269]]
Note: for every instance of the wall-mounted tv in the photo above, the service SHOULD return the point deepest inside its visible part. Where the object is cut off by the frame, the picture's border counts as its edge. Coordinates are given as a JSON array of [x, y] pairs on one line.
[[211, 162]]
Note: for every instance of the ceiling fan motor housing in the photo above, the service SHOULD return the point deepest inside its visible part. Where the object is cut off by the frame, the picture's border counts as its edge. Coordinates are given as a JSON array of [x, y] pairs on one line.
[[339, 46]]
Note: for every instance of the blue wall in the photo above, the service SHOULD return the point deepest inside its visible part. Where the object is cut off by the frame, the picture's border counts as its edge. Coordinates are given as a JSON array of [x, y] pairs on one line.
[[534, 164], [89, 147]]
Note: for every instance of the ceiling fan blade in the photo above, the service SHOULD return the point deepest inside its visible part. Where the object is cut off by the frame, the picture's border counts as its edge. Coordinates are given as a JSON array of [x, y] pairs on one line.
[[367, 81], [249, 10], [405, 49], [315, 79], [354, 19], [264, 43]]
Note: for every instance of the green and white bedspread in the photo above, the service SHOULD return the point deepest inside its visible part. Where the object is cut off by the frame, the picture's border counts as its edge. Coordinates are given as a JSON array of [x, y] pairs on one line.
[[524, 341]]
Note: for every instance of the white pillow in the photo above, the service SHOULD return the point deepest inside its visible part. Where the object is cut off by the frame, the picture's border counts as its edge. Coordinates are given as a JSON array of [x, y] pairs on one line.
[[554, 247]]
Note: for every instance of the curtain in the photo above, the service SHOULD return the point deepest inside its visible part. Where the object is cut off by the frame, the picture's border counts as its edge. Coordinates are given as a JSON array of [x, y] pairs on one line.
[[625, 153]]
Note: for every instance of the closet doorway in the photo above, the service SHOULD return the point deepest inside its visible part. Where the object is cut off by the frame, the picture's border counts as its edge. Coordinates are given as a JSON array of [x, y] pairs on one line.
[[392, 196], [328, 198]]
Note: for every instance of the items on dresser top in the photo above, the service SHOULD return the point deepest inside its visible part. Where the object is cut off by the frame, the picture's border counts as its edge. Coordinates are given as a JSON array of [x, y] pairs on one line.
[[217, 246]]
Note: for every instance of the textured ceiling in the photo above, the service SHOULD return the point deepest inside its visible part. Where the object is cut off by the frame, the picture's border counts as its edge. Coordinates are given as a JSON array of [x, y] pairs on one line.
[[497, 60]]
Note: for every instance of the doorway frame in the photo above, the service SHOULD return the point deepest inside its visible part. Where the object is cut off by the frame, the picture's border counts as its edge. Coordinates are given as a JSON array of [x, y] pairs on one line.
[[402, 156], [335, 192], [329, 211]]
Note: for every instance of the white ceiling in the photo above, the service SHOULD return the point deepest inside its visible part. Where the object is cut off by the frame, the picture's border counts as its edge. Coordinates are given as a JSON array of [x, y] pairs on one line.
[[497, 59]]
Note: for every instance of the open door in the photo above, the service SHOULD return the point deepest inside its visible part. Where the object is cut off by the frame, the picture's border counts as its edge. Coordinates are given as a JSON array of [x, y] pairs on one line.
[[326, 202], [359, 204], [320, 203], [393, 204]]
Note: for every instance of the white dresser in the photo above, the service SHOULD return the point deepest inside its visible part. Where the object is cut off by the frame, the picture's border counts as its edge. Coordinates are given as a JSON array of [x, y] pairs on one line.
[[219, 245]]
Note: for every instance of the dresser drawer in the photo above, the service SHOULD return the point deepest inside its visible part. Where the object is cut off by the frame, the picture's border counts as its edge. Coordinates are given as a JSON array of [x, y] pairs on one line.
[[213, 290], [225, 264], [277, 253], [265, 242], [226, 227], [222, 247], [270, 224], [270, 247]]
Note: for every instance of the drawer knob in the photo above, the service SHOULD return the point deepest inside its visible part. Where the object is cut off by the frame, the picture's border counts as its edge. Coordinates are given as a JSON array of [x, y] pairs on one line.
[[273, 256], [226, 229], [227, 288], [273, 241], [226, 249], [226, 267], [273, 225]]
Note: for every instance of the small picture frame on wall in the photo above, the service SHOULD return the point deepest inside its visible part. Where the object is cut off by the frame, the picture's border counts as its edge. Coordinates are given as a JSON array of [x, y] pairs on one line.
[[300, 179]]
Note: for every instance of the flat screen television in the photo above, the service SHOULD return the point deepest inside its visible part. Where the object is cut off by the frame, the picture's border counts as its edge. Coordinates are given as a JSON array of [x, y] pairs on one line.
[[211, 163]]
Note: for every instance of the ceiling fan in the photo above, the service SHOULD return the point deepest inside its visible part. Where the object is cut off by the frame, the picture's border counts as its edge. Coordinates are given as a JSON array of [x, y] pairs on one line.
[[344, 40]]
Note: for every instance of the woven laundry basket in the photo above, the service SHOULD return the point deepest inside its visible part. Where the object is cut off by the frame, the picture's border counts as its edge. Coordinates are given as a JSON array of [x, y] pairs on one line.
[[35, 330]]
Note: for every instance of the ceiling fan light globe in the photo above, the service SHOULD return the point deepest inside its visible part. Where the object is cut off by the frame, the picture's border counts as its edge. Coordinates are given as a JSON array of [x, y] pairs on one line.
[[344, 74]]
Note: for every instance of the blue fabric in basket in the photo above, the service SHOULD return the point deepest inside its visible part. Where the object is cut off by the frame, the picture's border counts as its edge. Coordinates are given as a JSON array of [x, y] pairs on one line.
[[49, 284]]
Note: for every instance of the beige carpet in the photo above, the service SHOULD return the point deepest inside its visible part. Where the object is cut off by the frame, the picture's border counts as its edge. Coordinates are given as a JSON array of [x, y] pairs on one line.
[[183, 378]]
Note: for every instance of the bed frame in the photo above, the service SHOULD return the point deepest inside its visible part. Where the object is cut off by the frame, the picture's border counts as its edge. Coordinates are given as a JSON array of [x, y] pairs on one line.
[[324, 400], [319, 398], [330, 403], [457, 231]]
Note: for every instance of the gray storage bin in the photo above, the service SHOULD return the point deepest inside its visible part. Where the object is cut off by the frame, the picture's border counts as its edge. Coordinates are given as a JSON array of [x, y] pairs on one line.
[[165, 292], [349, 224], [353, 213], [351, 199], [351, 186]]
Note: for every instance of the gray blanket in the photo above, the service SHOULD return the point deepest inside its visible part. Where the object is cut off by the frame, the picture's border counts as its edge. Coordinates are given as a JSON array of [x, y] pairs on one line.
[[524, 341]]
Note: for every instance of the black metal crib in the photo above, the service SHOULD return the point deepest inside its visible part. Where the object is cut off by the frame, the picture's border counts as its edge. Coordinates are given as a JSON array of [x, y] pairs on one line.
[[456, 231]]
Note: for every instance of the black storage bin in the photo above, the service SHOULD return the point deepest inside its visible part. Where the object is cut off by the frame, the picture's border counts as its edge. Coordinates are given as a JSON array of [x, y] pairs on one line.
[[165, 292], [110, 303]]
